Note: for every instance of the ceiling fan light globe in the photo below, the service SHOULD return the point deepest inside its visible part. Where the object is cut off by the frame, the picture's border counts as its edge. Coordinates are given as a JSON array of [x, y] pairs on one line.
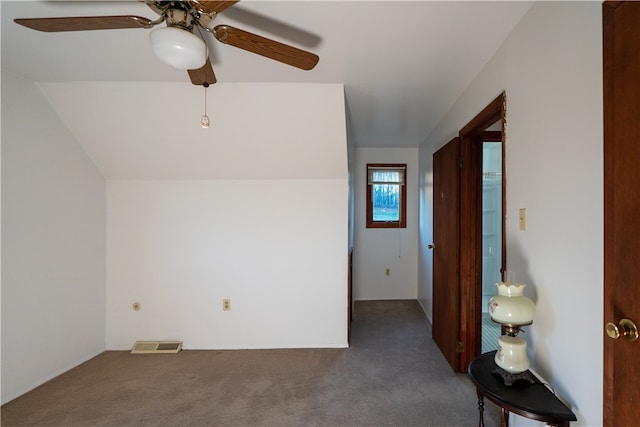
[[178, 48]]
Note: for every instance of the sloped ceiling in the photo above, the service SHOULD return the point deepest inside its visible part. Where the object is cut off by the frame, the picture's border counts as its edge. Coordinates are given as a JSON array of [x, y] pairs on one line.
[[251, 135], [403, 64]]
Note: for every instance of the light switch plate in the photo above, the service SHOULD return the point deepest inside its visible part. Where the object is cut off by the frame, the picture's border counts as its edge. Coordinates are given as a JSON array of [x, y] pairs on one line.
[[523, 219]]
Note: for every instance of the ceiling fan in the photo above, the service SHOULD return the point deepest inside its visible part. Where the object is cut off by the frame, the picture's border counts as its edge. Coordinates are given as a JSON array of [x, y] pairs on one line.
[[176, 43]]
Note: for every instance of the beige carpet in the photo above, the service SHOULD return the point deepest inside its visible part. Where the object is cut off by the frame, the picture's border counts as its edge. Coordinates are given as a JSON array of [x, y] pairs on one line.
[[393, 375]]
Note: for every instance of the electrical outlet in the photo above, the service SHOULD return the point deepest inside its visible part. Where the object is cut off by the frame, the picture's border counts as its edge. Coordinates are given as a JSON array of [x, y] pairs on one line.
[[226, 304], [387, 272]]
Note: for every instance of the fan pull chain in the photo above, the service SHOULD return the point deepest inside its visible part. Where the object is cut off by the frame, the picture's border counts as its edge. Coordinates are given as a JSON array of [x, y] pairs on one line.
[[205, 119]]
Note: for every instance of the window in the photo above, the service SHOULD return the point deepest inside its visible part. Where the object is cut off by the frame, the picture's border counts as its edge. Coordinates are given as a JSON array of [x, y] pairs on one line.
[[386, 195]]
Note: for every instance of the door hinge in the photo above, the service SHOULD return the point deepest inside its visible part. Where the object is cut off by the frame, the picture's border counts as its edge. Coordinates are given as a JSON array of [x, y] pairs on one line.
[[460, 347], [460, 162]]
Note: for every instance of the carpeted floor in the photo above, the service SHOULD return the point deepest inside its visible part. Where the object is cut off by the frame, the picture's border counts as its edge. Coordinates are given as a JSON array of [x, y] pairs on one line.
[[392, 375]]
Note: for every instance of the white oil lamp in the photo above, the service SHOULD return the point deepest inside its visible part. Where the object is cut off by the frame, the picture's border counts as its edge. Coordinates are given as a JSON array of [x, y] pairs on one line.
[[511, 309]]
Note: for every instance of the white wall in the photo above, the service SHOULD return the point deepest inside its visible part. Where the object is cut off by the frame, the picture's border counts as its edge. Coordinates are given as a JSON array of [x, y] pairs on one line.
[[276, 248], [551, 70], [377, 249], [267, 228], [53, 244]]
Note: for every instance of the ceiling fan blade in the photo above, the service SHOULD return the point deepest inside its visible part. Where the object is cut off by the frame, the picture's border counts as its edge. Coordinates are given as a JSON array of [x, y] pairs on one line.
[[203, 76], [83, 23], [209, 6], [266, 47]]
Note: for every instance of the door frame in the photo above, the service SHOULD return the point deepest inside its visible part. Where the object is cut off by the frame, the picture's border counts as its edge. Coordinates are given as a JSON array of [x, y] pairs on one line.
[[471, 225]]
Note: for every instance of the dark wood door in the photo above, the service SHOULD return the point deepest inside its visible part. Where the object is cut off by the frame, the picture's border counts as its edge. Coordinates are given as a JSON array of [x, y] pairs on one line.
[[621, 207], [446, 252]]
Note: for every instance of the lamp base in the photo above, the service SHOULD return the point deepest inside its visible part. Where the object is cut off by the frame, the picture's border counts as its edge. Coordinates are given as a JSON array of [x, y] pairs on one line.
[[512, 354], [508, 378]]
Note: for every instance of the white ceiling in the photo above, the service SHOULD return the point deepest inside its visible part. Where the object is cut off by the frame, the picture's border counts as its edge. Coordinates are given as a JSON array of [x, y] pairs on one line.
[[403, 64]]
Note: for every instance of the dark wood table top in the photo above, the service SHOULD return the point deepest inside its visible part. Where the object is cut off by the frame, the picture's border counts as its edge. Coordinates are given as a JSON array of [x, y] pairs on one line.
[[533, 401]]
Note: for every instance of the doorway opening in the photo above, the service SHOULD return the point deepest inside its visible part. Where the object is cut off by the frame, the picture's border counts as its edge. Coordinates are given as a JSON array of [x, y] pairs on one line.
[[492, 230], [487, 127]]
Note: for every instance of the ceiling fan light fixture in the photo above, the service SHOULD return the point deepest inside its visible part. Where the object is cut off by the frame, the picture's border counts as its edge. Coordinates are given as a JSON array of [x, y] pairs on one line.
[[178, 48]]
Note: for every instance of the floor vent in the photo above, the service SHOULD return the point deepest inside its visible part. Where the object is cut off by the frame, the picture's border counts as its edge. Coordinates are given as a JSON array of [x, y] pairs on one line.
[[150, 347]]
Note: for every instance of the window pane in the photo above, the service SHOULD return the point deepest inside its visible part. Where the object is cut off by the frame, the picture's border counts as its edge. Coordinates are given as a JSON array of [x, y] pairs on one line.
[[385, 176], [386, 200]]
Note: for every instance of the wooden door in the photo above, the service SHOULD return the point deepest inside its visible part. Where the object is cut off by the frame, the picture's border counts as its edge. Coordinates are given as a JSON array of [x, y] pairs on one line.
[[621, 32], [446, 252]]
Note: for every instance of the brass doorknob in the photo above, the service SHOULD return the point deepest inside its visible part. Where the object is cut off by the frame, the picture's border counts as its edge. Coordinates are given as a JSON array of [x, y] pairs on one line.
[[628, 330], [432, 246]]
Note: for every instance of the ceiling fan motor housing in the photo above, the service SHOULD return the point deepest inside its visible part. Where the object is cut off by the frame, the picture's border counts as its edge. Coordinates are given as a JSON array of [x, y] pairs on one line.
[[179, 18]]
